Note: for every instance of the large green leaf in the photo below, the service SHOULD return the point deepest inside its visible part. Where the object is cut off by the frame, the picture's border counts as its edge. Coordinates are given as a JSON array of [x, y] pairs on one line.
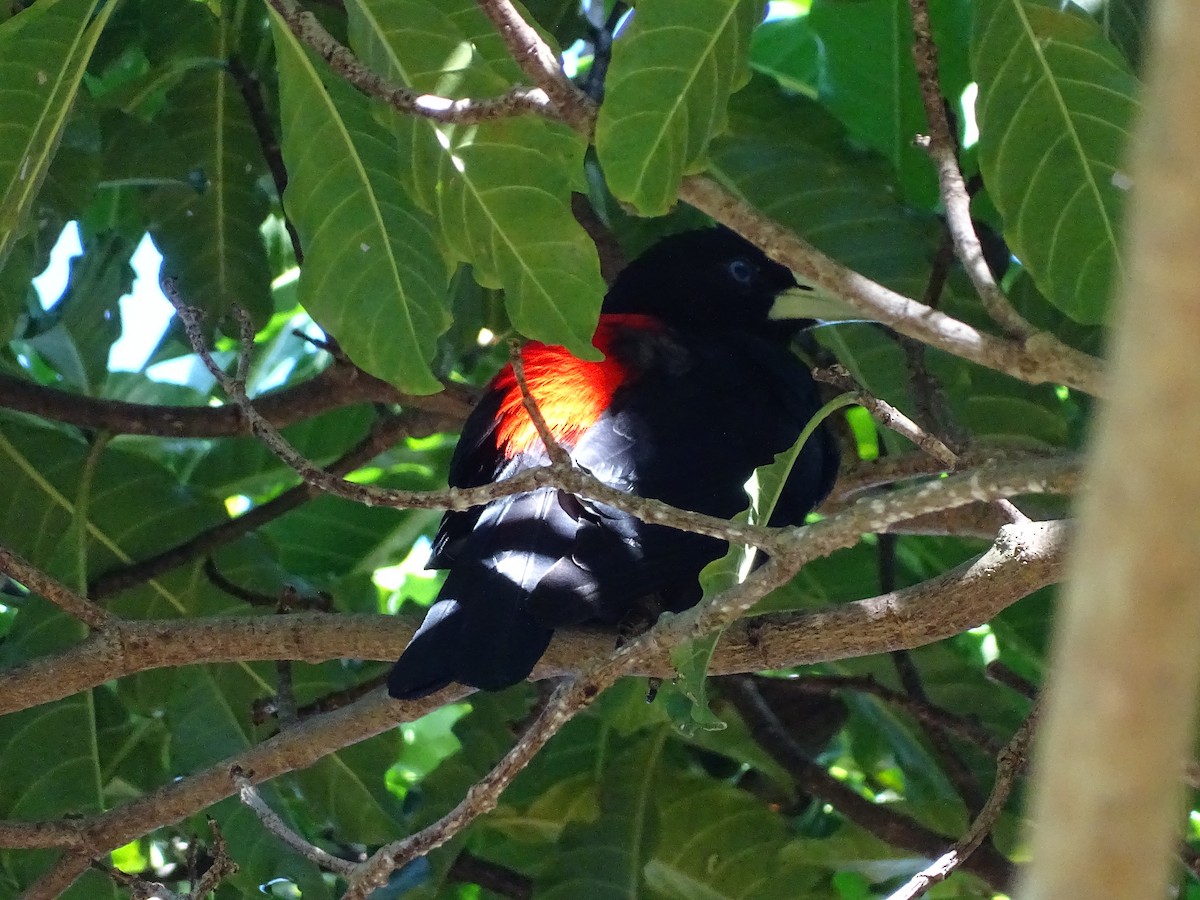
[[502, 189], [604, 859], [1055, 104], [36, 98], [671, 77], [373, 275], [718, 842], [869, 81], [206, 222]]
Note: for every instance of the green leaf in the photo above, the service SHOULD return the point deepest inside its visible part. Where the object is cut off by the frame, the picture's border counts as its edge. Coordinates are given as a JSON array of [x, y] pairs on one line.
[[868, 79], [1054, 109], [373, 275], [604, 859], [502, 189], [789, 158], [206, 221], [36, 98], [671, 76], [718, 842], [691, 658], [788, 51], [89, 316]]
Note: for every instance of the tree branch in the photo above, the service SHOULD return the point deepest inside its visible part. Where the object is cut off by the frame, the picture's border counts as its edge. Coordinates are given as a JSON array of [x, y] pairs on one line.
[[309, 31], [53, 590], [339, 385], [897, 830], [942, 149], [384, 434], [540, 63], [1041, 358], [1023, 559], [1009, 764]]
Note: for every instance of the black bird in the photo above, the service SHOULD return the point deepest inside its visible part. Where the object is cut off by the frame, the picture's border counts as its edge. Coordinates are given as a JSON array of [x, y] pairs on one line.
[[697, 388]]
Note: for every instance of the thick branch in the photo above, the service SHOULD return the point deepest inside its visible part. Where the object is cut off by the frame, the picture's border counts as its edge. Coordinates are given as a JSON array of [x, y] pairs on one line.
[[1023, 559]]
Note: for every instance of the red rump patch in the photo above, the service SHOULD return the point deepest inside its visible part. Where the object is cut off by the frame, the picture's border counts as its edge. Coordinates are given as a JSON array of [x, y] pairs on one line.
[[571, 393]]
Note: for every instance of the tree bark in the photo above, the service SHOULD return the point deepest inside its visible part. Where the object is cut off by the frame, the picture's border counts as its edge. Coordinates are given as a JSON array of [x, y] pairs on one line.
[[1109, 763]]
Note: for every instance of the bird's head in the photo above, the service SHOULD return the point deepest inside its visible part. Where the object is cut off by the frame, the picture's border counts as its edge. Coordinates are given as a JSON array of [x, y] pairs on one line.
[[710, 279]]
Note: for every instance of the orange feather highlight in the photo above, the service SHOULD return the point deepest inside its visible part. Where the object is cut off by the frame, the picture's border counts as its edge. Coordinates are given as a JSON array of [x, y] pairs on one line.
[[571, 393]]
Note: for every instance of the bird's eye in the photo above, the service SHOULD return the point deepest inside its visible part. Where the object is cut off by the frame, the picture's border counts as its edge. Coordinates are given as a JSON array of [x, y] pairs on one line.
[[741, 270]]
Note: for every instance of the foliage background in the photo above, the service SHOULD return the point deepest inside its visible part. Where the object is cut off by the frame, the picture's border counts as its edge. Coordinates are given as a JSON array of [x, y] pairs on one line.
[[133, 118]]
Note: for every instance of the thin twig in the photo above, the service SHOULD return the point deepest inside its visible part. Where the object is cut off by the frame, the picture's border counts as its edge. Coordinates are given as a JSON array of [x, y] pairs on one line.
[[1009, 765], [221, 867], [1041, 358], [53, 590], [1002, 674], [553, 448], [468, 868], [895, 829], [484, 794], [540, 63], [272, 821], [565, 477], [336, 387], [260, 119], [888, 415], [309, 31], [385, 433], [139, 889], [942, 149]]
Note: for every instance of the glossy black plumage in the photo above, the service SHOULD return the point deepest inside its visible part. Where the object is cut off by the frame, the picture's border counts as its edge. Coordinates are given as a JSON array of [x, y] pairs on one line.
[[698, 389]]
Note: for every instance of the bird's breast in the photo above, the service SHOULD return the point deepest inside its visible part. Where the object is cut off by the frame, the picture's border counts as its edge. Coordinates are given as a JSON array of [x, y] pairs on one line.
[[570, 393]]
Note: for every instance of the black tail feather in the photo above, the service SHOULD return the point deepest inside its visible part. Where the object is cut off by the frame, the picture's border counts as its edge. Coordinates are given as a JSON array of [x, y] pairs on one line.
[[490, 643]]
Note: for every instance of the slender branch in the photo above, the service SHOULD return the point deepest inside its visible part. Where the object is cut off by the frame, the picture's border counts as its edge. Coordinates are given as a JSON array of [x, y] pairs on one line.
[[222, 865], [541, 64], [334, 388], [895, 829], [271, 821], [309, 31], [287, 751], [928, 714], [468, 868], [888, 415], [1009, 765], [53, 590], [1041, 358], [139, 889], [553, 448], [260, 119], [383, 435], [484, 794], [942, 149]]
